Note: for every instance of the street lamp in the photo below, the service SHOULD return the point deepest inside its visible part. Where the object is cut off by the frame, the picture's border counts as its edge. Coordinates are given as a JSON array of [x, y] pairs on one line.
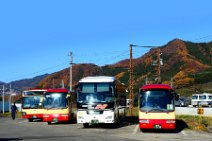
[[11, 100]]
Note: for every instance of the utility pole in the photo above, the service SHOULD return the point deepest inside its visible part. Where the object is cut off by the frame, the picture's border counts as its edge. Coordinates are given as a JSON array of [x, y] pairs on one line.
[[62, 84], [131, 76], [10, 98], [3, 100], [53, 83], [146, 80], [172, 83], [159, 66], [71, 62], [131, 81]]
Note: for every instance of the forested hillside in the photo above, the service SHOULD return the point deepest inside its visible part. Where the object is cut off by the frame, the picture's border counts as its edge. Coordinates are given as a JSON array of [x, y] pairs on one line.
[[186, 64]]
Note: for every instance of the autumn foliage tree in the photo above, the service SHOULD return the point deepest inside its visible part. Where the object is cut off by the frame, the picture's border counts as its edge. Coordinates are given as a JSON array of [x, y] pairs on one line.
[[181, 79]]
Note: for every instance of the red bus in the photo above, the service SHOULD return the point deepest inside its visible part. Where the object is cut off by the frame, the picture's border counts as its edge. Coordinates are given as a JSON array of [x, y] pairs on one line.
[[32, 104], [156, 107], [58, 105]]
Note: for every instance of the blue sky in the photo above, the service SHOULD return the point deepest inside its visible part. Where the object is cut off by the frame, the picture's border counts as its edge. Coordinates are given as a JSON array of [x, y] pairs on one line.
[[36, 36]]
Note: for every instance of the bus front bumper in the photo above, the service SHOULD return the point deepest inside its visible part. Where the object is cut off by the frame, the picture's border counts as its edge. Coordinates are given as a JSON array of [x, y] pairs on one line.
[[56, 117], [31, 116], [157, 123], [106, 117]]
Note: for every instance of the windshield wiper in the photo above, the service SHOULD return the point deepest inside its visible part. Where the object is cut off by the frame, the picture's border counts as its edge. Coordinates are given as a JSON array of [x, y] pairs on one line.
[[56, 107], [28, 107], [52, 107]]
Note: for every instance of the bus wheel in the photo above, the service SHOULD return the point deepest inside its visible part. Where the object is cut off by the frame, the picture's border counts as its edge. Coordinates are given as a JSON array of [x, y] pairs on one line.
[[30, 120], [49, 122], [85, 125]]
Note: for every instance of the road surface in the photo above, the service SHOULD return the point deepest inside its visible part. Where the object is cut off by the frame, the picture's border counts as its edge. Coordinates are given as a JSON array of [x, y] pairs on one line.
[[20, 129]]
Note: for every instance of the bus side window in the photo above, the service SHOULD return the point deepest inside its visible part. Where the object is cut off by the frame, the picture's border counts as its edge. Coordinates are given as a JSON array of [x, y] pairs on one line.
[[112, 90]]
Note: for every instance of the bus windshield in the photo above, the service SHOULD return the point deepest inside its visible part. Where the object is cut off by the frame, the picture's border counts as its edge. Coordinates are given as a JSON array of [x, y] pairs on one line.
[[55, 100], [95, 92], [32, 102], [156, 101]]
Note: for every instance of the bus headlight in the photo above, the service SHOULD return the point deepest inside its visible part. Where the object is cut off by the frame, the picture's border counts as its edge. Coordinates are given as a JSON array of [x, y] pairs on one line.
[[109, 117], [80, 113], [64, 115], [144, 121], [24, 113], [80, 117], [170, 121]]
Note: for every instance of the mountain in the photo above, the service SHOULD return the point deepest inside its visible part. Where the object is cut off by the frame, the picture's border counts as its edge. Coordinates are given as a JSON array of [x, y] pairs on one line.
[[79, 70], [184, 63], [1, 83], [25, 84]]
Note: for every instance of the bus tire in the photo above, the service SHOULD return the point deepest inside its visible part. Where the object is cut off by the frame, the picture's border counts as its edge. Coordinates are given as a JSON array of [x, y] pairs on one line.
[[49, 122], [85, 125]]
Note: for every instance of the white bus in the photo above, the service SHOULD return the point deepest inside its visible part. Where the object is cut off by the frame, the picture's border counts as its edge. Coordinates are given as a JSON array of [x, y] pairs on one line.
[[204, 99], [100, 99]]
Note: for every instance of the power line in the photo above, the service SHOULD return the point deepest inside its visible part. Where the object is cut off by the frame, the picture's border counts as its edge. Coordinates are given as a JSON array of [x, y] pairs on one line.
[[37, 72], [201, 38]]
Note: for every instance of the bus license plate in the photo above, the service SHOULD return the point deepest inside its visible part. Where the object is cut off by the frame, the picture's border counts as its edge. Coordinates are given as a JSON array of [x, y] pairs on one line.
[[157, 126], [94, 121], [55, 119], [34, 116]]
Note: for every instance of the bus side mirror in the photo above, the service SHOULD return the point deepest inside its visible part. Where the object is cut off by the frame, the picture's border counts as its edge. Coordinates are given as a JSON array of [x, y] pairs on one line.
[[76, 88], [68, 95], [177, 97]]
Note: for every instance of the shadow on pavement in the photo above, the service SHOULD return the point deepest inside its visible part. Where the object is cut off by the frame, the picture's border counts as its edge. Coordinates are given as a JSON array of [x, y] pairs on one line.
[[38, 138], [180, 125], [63, 123], [10, 139]]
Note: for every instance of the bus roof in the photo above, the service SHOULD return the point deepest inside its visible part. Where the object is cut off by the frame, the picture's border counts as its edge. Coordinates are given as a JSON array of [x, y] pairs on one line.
[[156, 86], [31, 90], [57, 90], [97, 79]]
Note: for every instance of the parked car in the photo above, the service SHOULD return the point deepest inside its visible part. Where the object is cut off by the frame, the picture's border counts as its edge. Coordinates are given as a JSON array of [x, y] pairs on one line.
[[182, 102]]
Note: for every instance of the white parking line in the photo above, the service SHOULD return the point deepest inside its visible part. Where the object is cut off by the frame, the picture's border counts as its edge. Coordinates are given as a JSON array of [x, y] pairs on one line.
[[184, 133], [135, 129], [23, 121]]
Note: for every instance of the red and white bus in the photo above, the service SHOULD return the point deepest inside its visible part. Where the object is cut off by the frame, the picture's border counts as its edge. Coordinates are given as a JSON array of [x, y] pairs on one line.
[[156, 107], [32, 104], [59, 106]]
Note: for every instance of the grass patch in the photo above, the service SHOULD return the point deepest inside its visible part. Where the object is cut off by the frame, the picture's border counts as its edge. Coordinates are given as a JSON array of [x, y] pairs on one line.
[[135, 112], [7, 114], [196, 122]]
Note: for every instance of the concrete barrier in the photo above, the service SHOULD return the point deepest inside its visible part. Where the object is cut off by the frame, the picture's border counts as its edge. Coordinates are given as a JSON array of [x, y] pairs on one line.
[[193, 111]]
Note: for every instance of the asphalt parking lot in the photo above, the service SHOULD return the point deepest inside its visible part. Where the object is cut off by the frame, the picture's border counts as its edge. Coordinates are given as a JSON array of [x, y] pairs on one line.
[[21, 129]]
